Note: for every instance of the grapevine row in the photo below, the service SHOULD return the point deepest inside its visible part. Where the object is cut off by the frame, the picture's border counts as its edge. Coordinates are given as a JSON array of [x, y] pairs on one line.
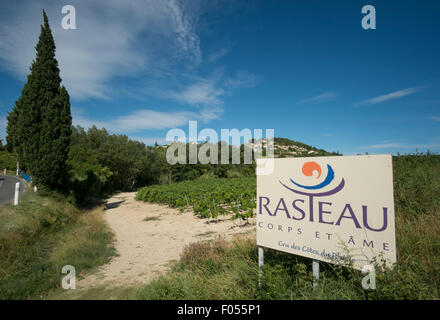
[[208, 198]]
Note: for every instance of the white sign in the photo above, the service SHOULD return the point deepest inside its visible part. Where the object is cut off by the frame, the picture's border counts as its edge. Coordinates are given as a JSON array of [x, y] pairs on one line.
[[333, 209]]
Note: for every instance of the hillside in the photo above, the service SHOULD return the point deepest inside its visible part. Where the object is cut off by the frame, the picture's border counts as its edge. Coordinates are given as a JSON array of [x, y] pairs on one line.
[[285, 148]]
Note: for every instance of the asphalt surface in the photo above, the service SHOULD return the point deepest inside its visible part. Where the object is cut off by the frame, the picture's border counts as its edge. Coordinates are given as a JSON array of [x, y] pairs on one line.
[[7, 188]]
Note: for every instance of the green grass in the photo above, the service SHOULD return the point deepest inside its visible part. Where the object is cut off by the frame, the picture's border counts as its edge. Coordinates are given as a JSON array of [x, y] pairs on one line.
[[95, 293], [40, 236], [222, 270]]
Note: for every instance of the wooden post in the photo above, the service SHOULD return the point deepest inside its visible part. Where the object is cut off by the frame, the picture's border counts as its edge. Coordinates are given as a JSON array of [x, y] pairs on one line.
[[17, 192], [260, 264], [315, 268]]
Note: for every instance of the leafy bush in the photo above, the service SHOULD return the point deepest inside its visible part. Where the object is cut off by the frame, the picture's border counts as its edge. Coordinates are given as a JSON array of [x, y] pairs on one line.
[[8, 160]]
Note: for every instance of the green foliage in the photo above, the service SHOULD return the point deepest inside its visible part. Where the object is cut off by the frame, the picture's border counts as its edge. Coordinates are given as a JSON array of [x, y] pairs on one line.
[[417, 183], [12, 129], [110, 163], [288, 142], [129, 164], [208, 197], [8, 160], [50, 168], [39, 124], [305, 150], [87, 176]]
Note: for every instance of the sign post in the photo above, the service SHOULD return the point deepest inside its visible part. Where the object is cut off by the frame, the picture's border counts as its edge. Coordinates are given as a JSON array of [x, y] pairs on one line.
[[315, 269], [17, 193], [260, 264], [337, 209]]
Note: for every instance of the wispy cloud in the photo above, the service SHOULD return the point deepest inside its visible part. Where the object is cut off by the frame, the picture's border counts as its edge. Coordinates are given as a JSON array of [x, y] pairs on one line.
[[214, 57], [402, 146], [327, 96], [435, 118], [154, 44], [140, 120], [200, 93], [383, 146], [390, 96], [113, 39], [206, 93], [242, 79]]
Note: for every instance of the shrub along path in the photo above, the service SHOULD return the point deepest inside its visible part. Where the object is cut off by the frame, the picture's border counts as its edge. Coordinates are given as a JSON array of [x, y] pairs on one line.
[[148, 237]]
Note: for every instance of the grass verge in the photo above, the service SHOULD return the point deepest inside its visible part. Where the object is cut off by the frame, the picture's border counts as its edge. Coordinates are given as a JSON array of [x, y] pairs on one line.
[[41, 235]]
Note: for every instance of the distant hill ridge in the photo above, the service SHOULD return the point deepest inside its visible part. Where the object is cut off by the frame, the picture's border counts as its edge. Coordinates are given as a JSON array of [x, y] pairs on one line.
[[284, 147]]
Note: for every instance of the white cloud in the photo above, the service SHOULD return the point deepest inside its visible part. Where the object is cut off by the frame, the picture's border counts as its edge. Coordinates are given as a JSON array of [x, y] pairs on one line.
[[435, 118], [153, 44], [383, 146], [402, 146], [144, 119], [390, 96], [205, 92], [242, 79], [113, 38], [327, 96], [214, 57], [201, 93]]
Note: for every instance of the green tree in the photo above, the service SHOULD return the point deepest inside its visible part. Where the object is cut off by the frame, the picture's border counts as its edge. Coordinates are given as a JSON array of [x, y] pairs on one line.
[[12, 129], [39, 126]]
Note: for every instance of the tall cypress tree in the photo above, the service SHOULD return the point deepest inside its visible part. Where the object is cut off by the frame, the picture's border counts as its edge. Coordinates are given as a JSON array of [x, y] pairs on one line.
[[39, 126]]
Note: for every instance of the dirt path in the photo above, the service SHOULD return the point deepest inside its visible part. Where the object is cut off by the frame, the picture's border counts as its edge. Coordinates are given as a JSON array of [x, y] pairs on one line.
[[148, 237]]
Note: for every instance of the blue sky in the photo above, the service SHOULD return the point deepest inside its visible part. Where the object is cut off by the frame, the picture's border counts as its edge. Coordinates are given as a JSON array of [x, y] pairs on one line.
[[304, 68]]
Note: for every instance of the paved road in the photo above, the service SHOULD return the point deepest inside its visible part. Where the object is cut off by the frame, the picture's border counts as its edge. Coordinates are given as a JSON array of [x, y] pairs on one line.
[[7, 188]]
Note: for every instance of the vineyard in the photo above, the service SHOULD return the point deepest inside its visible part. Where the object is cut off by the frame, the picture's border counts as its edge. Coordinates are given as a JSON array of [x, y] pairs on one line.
[[208, 198]]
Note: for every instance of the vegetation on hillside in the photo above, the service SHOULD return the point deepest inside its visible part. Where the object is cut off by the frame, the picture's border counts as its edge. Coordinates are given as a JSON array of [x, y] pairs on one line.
[[285, 148]]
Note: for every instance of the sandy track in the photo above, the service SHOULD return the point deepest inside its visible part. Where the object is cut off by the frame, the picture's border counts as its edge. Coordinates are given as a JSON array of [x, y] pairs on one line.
[[148, 237]]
